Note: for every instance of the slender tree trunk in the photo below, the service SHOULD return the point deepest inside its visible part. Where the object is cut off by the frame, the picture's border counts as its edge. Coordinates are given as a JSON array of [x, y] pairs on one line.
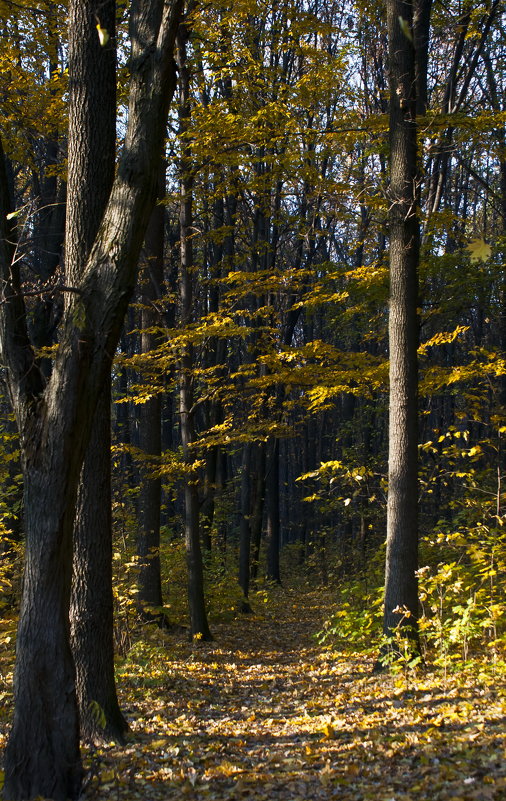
[[273, 528], [149, 583], [401, 587], [499, 104], [208, 502], [198, 617], [245, 526], [257, 513]]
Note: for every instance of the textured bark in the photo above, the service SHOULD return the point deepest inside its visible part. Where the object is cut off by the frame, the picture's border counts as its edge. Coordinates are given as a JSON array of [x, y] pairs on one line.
[[42, 756], [49, 220], [91, 613], [91, 159], [401, 588], [55, 419]]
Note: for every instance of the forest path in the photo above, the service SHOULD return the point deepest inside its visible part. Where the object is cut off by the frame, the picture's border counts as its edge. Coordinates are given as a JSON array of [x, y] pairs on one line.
[[264, 712]]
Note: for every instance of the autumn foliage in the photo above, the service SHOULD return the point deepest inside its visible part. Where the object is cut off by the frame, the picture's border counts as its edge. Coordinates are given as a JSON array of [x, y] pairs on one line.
[[251, 449]]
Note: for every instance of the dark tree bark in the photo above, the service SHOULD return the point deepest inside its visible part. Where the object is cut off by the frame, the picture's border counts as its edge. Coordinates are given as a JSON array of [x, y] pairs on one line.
[[214, 356], [91, 612], [198, 616], [91, 159], [55, 419], [401, 587], [499, 104], [50, 191], [149, 583], [209, 494], [257, 512], [245, 526], [273, 527]]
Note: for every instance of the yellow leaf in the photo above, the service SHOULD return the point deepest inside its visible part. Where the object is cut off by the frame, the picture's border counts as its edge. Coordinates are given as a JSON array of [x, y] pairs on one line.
[[103, 34], [161, 743], [479, 250]]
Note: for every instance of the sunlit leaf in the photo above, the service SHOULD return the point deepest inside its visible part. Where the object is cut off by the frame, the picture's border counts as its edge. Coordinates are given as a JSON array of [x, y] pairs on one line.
[[405, 28], [103, 34], [479, 250]]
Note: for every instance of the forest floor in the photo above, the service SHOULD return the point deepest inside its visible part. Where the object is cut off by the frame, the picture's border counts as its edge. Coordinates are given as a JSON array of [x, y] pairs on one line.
[[264, 712]]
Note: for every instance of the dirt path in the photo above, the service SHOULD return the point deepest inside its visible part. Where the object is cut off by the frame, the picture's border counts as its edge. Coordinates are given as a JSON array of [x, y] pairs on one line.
[[265, 713]]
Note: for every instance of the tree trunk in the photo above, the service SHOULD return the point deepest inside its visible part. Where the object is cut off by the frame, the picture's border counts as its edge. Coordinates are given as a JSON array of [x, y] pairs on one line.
[[149, 583], [198, 618], [92, 144], [55, 418], [273, 529], [209, 494], [91, 612], [245, 526], [257, 513], [42, 756], [401, 587]]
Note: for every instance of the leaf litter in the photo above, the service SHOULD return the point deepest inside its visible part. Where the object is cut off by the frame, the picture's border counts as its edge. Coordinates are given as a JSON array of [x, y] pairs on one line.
[[264, 712]]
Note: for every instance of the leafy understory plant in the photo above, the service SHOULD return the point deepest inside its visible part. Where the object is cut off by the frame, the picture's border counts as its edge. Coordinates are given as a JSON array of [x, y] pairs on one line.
[[463, 605], [356, 624], [400, 652]]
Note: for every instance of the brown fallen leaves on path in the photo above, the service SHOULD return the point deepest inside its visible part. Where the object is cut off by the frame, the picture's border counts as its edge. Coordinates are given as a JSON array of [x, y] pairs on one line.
[[264, 712]]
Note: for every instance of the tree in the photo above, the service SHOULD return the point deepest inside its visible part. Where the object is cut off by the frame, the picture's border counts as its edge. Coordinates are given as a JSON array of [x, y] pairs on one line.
[[54, 418], [401, 588], [91, 165], [149, 595], [198, 616]]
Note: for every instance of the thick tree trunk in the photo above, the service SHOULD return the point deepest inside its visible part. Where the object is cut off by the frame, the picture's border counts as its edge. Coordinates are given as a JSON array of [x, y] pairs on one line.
[[92, 144], [42, 756], [401, 587], [91, 611], [55, 419]]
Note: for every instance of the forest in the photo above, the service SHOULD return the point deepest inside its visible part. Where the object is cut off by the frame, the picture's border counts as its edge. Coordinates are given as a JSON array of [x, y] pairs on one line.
[[253, 400]]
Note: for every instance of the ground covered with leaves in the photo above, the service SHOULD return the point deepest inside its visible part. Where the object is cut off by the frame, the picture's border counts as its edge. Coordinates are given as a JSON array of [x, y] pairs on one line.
[[265, 712]]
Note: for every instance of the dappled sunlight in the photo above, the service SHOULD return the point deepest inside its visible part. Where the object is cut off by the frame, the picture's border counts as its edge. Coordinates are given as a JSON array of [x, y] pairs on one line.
[[264, 711]]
